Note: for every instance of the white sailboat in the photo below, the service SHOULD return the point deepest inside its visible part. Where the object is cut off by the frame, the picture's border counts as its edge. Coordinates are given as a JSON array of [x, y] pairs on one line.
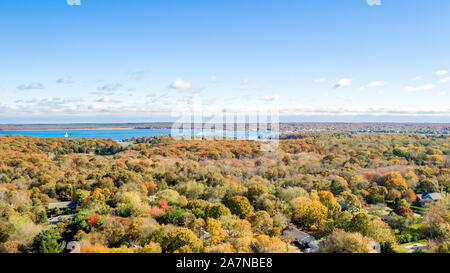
[[66, 135]]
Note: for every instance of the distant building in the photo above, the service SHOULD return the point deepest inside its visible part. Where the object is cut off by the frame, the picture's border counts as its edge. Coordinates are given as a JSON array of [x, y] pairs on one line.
[[415, 247], [152, 198], [385, 216], [427, 197], [56, 219], [371, 247], [303, 240], [204, 235], [62, 205]]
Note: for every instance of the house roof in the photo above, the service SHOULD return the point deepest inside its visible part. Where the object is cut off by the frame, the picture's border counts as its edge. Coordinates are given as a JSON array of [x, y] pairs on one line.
[[62, 205], [204, 235], [56, 219], [299, 236], [434, 195], [430, 196]]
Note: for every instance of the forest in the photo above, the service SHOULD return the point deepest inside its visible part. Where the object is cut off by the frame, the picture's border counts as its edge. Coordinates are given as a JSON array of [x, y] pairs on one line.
[[344, 193]]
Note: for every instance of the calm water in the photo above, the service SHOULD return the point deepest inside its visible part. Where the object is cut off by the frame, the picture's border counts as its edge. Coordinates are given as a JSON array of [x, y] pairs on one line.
[[121, 134]]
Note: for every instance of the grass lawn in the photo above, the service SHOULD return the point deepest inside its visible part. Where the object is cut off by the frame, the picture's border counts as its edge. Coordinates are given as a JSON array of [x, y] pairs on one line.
[[419, 210]]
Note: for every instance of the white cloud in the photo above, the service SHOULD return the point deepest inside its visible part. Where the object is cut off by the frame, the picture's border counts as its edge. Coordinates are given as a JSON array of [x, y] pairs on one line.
[[442, 94], [321, 80], [441, 72], [26, 101], [374, 84], [377, 84], [71, 100], [181, 85], [347, 98], [445, 80], [138, 75], [416, 78], [57, 102], [84, 110], [73, 2], [65, 79], [371, 111], [35, 85], [373, 2], [419, 88], [270, 97], [169, 102], [214, 79], [113, 86], [244, 85], [343, 83], [192, 98], [104, 99]]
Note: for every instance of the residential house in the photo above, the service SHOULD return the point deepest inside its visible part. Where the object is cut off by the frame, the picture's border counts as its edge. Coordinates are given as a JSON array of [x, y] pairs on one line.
[[427, 197], [303, 240], [56, 219], [62, 205], [204, 235]]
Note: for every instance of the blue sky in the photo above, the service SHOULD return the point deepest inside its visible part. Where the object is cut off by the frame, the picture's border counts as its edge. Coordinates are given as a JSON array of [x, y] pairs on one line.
[[314, 60]]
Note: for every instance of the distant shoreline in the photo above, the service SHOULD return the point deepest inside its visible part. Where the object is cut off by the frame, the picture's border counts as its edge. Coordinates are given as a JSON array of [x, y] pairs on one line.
[[285, 126], [27, 127]]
